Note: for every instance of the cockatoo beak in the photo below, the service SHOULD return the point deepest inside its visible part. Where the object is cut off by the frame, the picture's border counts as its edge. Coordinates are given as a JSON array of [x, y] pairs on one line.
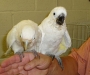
[[26, 45], [60, 19]]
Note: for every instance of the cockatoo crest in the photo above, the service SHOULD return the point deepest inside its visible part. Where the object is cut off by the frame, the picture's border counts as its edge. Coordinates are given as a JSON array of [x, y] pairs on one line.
[[27, 34]]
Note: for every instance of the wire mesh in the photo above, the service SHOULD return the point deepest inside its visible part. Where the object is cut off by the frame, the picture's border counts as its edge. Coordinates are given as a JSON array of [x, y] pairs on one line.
[[79, 33]]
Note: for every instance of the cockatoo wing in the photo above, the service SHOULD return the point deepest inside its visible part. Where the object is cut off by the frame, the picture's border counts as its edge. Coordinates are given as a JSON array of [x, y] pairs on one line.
[[11, 37], [65, 43]]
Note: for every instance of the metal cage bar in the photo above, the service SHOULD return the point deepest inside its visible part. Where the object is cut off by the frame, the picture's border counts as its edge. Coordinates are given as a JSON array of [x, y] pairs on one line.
[[79, 33]]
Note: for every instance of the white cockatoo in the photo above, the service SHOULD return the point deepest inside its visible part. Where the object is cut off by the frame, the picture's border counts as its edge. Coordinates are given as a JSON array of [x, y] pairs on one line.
[[23, 36], [55, 37]]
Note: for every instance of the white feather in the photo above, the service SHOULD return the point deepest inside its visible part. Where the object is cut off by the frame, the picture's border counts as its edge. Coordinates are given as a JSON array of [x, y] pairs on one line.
[[52, 33], [25, 30]]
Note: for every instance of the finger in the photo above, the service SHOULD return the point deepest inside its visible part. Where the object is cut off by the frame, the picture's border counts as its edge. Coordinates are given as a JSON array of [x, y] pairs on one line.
[[25, 60], [32, 64], [36, 71], [10, 61], [2, 70], [12, 72], [10, 67], [14, 67], [20, 68], [16, 59], [5, 73], [19, 74], [23, 72], [15, 71]]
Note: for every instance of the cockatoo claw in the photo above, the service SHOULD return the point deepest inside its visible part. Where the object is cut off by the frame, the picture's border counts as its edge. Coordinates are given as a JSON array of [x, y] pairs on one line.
[[21, 55], [58, 59], [35, 54], [60, 62]]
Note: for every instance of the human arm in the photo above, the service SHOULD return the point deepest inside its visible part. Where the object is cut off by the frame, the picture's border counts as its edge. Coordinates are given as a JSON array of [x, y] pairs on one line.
[[70, 67]]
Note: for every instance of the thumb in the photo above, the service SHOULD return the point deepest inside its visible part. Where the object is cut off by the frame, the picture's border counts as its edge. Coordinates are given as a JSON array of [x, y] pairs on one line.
[[41, 63], [32, 64]]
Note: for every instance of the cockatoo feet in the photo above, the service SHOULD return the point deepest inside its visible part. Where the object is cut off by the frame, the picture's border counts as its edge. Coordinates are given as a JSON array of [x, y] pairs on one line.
[[21, 55], [60, 61], [35, 54]]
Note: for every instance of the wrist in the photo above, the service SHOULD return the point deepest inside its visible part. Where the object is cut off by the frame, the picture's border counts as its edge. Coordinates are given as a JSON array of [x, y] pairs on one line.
[[70, 67], [54, 68]]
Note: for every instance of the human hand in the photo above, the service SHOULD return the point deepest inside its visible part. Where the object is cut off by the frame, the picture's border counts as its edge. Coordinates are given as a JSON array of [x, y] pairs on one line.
[[13, 66]]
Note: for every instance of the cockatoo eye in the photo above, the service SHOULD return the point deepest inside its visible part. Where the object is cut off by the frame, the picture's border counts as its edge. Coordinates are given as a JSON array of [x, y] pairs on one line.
[[34, 37], [53, 13], [20, 36]]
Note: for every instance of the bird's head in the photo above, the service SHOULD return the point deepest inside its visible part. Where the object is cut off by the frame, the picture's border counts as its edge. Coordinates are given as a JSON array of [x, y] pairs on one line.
[[27, 36], [58, 14]]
